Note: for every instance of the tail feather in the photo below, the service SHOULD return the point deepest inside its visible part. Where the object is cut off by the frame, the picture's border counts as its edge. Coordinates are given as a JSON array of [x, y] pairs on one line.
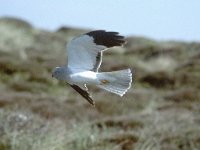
[[117, 82]]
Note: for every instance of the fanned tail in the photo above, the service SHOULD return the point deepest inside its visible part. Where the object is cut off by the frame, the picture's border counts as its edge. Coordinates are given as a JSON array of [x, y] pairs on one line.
[[117, 82]]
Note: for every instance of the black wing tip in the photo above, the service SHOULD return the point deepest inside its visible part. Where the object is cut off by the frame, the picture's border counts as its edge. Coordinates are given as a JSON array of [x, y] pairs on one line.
[[90, 100], [93, 104], [84, 94], [107, 38]]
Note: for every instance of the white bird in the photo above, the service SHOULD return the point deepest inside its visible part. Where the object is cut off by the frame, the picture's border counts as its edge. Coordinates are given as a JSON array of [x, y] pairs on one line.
[[84, 59]]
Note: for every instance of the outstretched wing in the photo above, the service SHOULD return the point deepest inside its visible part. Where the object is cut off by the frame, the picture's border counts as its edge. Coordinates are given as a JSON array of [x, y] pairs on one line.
[[85, 52], [83, 93]]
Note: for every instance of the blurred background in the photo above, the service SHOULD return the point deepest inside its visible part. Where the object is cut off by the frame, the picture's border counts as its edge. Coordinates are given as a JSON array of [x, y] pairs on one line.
[[160, 111], [158, 19]]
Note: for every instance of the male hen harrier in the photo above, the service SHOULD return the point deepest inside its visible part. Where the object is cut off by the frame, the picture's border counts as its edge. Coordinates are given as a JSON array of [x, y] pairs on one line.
[[84, 59]]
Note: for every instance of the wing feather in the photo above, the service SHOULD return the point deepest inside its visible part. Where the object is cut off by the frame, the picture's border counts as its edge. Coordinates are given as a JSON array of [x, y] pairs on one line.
[[83, 93], [85, 52], [98, 62]]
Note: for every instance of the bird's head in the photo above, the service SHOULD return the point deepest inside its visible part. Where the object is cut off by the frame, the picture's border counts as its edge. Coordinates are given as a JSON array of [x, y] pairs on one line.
[[56, 72]]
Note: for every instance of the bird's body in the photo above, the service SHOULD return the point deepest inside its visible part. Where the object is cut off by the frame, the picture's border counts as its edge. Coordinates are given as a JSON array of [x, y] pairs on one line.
[[76, 77], [84, 77], [84, 59]]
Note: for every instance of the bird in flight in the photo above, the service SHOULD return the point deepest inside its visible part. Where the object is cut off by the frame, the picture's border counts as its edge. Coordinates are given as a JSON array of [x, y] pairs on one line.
[[84, 59]]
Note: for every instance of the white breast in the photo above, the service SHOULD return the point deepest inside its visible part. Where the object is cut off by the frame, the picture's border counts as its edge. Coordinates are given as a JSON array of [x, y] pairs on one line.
[[85, 77]]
